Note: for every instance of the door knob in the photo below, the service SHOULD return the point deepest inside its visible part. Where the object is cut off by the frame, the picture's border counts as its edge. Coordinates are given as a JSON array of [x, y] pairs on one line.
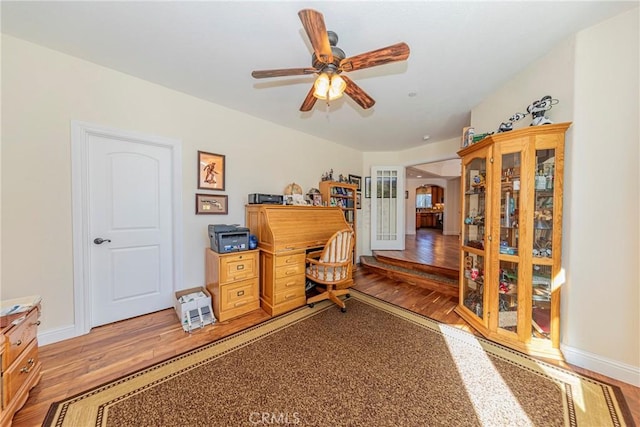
[[99, 241]]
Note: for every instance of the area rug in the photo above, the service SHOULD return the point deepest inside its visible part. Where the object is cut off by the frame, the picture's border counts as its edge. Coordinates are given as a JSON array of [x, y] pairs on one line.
[[375, 365]]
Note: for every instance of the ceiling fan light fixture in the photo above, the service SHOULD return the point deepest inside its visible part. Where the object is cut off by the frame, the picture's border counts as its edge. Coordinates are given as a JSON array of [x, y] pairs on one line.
[[329, 87]]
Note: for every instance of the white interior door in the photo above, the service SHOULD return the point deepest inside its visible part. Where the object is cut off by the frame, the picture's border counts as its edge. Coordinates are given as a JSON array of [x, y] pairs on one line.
[[387, 208], [129, 228]]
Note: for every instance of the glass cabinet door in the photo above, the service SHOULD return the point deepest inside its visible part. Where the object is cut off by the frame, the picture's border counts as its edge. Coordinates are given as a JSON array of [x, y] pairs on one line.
[[473, 236], [509, 246], [542, 250]]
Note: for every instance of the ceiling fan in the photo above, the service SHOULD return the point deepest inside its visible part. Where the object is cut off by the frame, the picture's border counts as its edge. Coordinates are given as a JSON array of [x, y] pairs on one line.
[[329, 62]]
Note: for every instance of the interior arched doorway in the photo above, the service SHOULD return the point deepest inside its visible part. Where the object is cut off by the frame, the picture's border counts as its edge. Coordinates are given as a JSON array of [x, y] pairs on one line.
[[430, 207]]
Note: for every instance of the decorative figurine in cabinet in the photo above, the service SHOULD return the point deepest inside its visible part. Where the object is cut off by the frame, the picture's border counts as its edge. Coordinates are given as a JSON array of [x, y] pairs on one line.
[[510, 268]]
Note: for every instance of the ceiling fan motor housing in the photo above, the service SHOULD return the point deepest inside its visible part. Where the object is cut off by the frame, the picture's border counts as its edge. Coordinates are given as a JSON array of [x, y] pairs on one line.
[[338, 54]]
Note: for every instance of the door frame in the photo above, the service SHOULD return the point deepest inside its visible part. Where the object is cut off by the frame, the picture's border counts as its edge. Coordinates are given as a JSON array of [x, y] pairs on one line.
[[399, 244], [80, 136]]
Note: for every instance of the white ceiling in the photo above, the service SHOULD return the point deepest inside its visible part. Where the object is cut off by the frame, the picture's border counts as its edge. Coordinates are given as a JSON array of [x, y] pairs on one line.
[[446, 169], [460, 53]]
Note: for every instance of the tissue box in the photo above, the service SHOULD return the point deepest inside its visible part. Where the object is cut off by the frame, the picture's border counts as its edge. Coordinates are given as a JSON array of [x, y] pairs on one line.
[[193, 307]]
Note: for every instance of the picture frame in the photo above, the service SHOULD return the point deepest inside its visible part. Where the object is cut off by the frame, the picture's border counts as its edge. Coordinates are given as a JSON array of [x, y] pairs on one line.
[[211, 204], [358, 201], [355, 179], [211, 171], [367, 187]]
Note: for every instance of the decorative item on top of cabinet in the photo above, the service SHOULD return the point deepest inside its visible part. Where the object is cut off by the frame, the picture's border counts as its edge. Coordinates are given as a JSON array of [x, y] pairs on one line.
[[510, 255], [21, 367]]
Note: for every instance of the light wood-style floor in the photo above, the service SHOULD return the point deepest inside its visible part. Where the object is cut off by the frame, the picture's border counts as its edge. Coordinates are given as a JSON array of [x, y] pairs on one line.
[[111, 351]]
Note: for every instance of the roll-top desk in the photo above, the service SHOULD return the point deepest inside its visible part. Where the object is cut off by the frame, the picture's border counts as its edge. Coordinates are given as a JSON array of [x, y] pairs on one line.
[[285, 235]]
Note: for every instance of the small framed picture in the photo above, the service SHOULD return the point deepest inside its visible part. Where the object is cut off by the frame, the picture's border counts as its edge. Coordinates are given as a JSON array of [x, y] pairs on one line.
[[367, 187], [211, 171], [355, 179], [211, 204]]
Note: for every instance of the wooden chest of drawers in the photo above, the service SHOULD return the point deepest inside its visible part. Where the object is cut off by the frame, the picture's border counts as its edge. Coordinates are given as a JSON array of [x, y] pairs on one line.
[[232, 280], [282, 281], [21, 369]]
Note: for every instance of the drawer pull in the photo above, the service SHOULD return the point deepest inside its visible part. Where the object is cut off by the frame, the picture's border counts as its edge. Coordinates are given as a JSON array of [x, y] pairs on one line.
[[19, 342], [31, 361], [290, 272], [289, 296], [240, 267], [240, 293], [290, 284], [25, 370], [239, 303], [37, 323]]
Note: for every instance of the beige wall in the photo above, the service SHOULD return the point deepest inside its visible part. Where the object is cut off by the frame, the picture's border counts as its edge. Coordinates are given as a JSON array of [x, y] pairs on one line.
[[602, 241], [595, 77], [43, 90]]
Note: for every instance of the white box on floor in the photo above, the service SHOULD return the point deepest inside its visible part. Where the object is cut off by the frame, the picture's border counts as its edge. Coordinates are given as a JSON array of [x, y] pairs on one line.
[[193, 307]]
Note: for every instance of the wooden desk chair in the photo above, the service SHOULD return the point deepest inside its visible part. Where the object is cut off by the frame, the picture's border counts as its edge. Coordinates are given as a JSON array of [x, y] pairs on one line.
[[332, 271]]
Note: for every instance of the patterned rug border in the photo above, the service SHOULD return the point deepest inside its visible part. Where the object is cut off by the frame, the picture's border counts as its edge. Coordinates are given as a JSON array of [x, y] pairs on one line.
[[59, 412]]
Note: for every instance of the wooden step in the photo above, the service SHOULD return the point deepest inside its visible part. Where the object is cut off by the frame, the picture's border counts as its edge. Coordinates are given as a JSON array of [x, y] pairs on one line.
[[415, 276], [431, 269]]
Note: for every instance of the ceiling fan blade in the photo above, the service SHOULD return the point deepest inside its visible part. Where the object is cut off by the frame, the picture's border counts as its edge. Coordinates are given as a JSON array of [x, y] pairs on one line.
[[357, 94], [313, 23], [385, 55], [309, 101], [261, 74]]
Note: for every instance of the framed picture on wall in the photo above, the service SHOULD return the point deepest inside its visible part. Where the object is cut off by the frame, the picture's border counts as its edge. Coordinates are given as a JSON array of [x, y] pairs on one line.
[[355, 179], [367, 187], [211, 171], [211, 204], [358, 201]]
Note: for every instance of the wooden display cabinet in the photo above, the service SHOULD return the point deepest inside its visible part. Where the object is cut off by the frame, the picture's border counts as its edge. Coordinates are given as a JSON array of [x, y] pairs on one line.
[[510, 255]]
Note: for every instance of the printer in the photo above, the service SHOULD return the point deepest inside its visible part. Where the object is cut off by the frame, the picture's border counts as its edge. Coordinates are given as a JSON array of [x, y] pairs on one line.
[[267, 199], [228, 238]]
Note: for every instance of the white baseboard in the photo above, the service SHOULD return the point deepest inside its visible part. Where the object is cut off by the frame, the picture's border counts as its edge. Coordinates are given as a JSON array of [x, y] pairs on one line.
[[612, 368], [55, 335]]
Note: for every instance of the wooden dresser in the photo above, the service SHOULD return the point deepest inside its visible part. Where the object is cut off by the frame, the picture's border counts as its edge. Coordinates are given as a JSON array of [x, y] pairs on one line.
[[232, 280], [21, 368], [285, 235]]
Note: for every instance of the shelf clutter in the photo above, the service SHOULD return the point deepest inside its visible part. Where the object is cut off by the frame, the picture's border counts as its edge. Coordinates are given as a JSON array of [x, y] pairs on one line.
[[14, 309]]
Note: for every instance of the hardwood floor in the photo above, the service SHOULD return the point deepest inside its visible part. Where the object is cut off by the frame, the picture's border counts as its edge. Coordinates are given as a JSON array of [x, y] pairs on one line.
[[429, 246], [111, 351]]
